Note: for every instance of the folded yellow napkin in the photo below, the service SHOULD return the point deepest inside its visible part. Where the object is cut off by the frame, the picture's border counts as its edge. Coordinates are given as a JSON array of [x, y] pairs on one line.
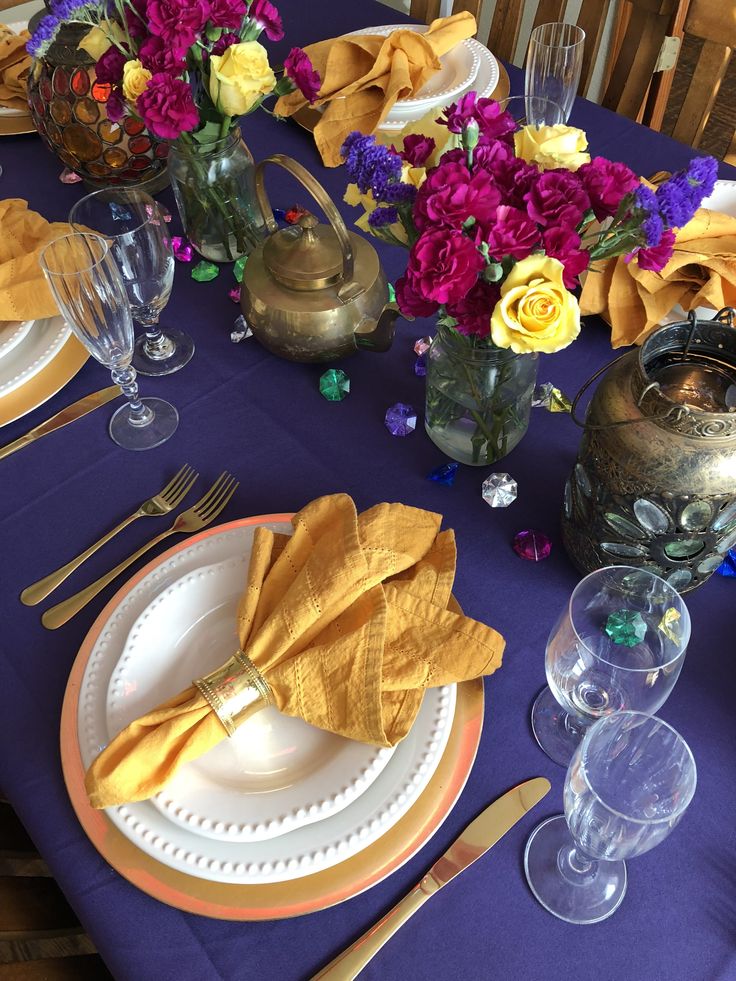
[[348, 622], [363, 76], [15, 63], [24, 294], [701, 272]]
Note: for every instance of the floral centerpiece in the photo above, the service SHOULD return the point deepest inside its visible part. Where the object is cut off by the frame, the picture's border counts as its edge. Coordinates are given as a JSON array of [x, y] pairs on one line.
[[501, 221], [189, 70]]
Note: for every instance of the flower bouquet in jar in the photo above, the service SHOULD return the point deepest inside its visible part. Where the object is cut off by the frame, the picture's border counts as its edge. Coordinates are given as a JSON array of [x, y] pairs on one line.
[[501, 220], [189, 70]]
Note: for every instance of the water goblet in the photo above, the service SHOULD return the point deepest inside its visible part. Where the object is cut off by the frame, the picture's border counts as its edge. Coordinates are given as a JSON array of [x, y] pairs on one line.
[[533, 110], [553, 64], [89, 291], [628, 785], [595, 667], [133, 224]]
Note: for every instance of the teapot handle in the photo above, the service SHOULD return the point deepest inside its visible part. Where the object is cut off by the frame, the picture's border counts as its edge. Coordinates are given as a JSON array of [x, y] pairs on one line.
[[348, 289]]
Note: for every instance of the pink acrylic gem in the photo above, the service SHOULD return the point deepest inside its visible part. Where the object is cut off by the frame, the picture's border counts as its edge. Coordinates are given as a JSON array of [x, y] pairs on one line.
[[421, 345], [234, 294], [182, 249], [532, 545], [68, 176]]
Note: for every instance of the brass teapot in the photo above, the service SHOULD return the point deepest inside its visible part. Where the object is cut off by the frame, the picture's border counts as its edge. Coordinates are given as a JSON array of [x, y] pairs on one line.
[[315, 292]]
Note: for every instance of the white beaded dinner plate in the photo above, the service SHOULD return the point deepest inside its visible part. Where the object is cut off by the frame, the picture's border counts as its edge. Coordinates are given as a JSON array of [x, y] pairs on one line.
[[301, 852], [12, 333], [277, 772], [40, 345]]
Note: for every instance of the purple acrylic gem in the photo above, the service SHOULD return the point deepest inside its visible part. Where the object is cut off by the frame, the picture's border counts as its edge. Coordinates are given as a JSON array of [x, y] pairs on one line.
[[234, 294], [401, 419], [728, 566], [182, 249], [532, 545], [445, 474], [420, 366], [68, 176]]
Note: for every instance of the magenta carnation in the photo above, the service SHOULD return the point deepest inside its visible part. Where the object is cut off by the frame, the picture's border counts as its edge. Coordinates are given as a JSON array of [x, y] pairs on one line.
[[514, 178], [299, 69], [137, 19], [564, 244], [157, 56], [166, 106], [109, 67], [178, 22], [493, 122], [473, 311], [512, 233], [557, 198], [227, 13], [656, 258], [451, 195], [417, 149], [268, 19], [115, 105], [410, 302], [606, 184], [443, 265], [224, 42]]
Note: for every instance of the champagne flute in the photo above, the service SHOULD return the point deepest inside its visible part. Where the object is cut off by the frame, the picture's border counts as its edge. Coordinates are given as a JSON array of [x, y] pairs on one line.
[[627, 786], [594, 669], [553, 65], [88, 289], [133, 225]]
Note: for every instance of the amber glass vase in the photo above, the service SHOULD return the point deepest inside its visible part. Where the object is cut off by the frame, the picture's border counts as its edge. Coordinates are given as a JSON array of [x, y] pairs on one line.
[[68, 108]]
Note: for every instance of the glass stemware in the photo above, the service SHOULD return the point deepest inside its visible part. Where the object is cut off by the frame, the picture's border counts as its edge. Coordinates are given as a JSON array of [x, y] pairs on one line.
[[132, 223], [628, 785], [533, 110], [591, 673], [554, 63], [89, 291]]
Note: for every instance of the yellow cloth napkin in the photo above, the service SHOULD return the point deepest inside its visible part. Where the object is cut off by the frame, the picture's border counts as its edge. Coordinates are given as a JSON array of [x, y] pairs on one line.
[[363, 76], [347, 621], [24, 293], [15, 63], [701, 272]]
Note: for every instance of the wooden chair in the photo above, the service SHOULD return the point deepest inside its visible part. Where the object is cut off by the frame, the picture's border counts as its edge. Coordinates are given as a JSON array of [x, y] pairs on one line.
[[429, 10]]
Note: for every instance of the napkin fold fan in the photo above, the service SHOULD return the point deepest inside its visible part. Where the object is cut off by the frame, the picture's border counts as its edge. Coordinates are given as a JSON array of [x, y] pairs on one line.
[[364, 75], [346, 622]]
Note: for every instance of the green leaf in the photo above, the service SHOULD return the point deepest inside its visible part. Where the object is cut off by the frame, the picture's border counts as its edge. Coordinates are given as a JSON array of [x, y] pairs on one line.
[[209, 133]]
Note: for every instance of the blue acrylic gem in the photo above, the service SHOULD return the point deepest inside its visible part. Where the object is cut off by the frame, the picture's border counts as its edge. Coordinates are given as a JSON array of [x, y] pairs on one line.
[[279, 214], [444, 474], [728, 566], [420, 366], [401, 419], [119, 212]]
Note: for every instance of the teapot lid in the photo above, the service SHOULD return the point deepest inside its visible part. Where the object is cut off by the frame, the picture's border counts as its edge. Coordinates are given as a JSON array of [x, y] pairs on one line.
[[306, 256]]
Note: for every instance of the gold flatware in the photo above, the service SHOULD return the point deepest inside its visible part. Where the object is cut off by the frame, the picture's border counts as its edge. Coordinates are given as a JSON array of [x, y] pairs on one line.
[[195, 518], [480, 835], [62, 418], [162, 503]]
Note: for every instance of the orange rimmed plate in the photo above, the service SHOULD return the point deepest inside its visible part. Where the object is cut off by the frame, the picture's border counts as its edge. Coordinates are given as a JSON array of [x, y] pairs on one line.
[[278, 899]]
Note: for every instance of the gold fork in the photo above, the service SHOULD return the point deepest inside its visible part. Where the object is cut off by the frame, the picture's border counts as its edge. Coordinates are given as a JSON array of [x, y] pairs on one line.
[[166, 500], [194, 519]]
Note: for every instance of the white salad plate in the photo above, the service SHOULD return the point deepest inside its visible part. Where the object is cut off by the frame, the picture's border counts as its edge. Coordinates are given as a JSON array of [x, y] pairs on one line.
[[12, 333], [276, 773], [31, 353], [309, 847]]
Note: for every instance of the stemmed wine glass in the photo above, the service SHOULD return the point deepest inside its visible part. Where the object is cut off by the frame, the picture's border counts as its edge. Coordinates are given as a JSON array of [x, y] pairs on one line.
[[619, 643], [627, 786], [132, 223], [554, 63], [89, 291]]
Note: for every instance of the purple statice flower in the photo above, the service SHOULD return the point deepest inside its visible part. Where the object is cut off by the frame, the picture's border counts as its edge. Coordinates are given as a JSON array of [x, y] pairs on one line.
[[653, 229], [645, 200], [675, 201], [399, 193], [369, 165], [43, 36], [380, 217], [62, 12], [701, 174]]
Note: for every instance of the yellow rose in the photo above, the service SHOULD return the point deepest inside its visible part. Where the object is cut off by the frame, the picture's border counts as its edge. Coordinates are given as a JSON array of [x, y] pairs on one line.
[[536, 312], [239, 77], [98, 39], [552, 146], [135, 79]]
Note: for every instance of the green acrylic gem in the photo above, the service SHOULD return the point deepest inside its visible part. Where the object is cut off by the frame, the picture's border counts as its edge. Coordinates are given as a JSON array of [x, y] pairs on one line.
[[391, 293], [626, 627], [204, 271], [239, 267], [334, 385]]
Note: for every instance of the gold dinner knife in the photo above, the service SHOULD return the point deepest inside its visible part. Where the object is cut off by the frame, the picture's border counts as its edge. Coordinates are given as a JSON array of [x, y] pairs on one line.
[[62, 418], [478, 837]]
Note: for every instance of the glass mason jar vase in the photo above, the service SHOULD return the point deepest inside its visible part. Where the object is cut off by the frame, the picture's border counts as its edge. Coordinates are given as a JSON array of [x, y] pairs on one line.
[[478, 397], [214, 187]]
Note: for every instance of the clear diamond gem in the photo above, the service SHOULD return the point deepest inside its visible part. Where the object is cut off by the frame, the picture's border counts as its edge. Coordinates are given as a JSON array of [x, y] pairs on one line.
[[240, 330], [499, 490]]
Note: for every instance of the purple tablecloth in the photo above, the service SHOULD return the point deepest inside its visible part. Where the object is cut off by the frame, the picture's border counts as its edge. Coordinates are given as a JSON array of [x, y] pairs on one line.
[[265, 420]]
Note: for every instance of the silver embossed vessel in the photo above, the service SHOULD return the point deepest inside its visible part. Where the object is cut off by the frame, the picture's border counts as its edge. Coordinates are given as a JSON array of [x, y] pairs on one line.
[[655, 480]]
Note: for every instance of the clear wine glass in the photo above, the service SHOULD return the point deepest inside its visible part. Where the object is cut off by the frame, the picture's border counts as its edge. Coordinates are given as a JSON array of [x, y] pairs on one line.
[[89, 291], [533, 110], [591, 673], [554, 62], [627, 786], [133, 224]]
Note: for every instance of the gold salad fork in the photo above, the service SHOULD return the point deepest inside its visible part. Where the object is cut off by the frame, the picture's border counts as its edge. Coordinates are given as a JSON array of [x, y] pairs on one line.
[[194, 519], [166, 500]]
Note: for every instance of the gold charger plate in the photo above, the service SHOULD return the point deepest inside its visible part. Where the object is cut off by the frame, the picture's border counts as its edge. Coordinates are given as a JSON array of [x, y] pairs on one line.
[[41, 387], [16, 125], [279, 899]]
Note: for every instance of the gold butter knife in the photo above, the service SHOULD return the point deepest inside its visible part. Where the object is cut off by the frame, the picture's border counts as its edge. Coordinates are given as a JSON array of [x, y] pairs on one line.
[[62, 418], [480, 835]]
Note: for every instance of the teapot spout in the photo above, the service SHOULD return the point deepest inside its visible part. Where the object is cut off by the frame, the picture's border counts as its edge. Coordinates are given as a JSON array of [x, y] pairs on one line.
[[378, 335]]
